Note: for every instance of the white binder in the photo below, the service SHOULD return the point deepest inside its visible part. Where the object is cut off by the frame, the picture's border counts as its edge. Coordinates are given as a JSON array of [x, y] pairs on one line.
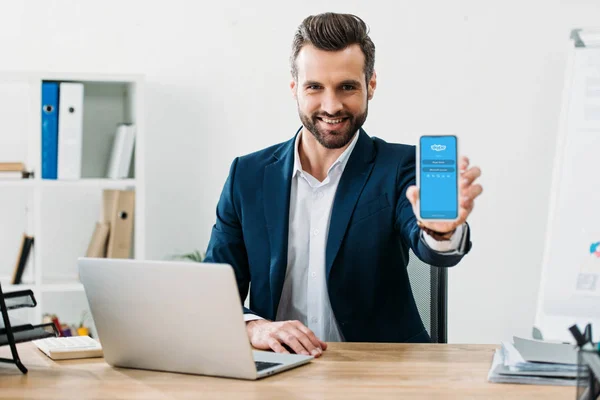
[[70, 130], [127, 152], [122, 152]]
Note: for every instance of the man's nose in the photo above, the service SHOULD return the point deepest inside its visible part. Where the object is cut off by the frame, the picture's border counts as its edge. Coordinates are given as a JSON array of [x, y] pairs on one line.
[[331, 104]]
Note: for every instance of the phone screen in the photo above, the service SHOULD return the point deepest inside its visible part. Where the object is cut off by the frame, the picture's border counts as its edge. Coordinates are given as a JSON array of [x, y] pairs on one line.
[[438, 177]]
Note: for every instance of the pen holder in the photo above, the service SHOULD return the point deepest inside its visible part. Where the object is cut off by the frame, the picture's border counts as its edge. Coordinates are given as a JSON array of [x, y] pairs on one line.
[[588, 375]]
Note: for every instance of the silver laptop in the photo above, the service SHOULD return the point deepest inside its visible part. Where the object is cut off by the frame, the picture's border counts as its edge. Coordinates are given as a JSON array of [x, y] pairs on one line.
[[174, 316]]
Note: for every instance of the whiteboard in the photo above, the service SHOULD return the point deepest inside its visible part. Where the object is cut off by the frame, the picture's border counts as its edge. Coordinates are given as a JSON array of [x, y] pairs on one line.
[[570, 281]]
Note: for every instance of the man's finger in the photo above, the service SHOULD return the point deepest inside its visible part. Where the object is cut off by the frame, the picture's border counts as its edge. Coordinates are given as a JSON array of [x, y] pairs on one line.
[[276, 346], [466, 211], [310, 334], [412, 193], [467, 204], [470, 207], [292, 341], [463, 213], [463, 163], [306, 342], [472, 192], [469, 176]]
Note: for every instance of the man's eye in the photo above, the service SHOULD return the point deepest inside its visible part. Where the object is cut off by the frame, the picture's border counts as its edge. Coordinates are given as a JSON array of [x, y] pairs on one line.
[[348, 87], [313, 87]]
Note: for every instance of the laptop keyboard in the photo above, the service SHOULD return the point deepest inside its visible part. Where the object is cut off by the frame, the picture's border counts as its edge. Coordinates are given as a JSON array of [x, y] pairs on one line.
[[260, 365]]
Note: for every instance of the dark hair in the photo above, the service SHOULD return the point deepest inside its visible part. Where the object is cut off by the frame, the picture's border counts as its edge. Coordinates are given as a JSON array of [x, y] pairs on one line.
[[333, 32]]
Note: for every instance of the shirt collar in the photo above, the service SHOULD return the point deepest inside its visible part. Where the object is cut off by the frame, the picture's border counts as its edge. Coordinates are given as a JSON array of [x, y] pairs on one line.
[[341, 161]]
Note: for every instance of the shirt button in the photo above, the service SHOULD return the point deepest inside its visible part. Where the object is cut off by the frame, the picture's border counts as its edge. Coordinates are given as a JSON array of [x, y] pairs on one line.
[[314, 319], [314, 274], [316, 232], [320, 195]]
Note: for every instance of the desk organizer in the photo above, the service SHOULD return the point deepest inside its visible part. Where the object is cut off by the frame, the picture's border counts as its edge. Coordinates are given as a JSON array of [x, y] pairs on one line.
[[588, 377], [11, 335], [588, 362]]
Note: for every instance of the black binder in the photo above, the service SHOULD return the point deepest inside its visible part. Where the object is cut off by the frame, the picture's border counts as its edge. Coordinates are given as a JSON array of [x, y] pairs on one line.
[[11, 335]]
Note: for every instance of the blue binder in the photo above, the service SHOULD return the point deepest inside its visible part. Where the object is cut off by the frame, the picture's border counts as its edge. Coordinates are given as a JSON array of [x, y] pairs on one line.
[[50, 95]]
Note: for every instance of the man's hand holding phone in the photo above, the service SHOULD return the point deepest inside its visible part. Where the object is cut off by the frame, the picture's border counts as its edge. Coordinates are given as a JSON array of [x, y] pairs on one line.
[[446, 189], [468, 189]]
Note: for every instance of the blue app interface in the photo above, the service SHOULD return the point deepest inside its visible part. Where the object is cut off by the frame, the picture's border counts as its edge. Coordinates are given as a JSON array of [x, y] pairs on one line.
[[438, 177]]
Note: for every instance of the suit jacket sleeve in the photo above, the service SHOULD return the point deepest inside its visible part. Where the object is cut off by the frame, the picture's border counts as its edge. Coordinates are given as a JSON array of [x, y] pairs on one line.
[[226, 243], [406, 221]]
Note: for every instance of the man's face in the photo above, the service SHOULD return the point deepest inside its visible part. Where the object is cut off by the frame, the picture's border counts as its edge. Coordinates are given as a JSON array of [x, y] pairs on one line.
[[332, 94]]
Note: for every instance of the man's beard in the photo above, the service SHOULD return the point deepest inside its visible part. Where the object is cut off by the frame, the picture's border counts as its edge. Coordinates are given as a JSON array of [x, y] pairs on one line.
[[338, 138]]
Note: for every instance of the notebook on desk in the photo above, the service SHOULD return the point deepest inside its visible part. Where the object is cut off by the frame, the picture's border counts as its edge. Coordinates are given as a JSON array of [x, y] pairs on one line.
[[174, 316]]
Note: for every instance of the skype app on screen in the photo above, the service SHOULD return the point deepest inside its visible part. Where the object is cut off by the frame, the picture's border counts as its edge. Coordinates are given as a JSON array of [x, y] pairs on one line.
[[438, 177]]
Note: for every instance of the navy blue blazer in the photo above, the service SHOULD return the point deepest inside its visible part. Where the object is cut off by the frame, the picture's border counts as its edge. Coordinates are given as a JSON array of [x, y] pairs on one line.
[[371, 229]]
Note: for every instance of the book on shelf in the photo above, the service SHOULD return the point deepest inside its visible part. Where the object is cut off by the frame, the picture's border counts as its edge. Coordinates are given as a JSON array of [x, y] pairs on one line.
[[70, 130], [118, 211], [50, 91], [122, 152], [13, 170], [113, 233], [99, 240], [12, 167], [22, 258]]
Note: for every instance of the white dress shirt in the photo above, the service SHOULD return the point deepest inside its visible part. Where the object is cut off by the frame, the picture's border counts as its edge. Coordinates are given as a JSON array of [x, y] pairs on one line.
[[304, 296]]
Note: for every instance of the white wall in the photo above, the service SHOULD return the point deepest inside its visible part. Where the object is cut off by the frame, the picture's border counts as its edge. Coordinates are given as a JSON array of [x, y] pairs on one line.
[[217, 87]]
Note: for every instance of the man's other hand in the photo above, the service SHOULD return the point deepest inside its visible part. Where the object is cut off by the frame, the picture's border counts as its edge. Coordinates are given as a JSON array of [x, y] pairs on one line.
[[265, 335]]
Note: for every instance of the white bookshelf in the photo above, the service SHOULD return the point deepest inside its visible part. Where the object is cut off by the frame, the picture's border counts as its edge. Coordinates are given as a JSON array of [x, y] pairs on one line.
[[61, 214]]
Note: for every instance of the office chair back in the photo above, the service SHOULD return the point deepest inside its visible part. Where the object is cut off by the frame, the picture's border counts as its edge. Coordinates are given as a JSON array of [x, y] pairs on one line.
[[430, 289]]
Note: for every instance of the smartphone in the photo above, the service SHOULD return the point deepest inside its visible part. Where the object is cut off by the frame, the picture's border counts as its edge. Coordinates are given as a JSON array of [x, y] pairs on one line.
[[437, 178]]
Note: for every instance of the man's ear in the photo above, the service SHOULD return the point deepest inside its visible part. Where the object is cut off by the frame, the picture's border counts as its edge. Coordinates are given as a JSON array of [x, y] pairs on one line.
[[372, 85], [294, 88]]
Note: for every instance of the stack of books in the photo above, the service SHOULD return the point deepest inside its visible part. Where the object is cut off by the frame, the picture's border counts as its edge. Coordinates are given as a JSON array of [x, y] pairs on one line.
[[13, 170], [534, 362]]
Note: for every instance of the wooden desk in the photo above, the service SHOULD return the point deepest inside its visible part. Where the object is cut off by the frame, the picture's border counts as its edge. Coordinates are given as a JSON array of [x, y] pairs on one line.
[[346, 371]]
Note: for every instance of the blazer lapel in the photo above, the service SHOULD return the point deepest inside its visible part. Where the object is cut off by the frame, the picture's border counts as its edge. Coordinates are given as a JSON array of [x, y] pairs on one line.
[[355, 176], [276, 190]]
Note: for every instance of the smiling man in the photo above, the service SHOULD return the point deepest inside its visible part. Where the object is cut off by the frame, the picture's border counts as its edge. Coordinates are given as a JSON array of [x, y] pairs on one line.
[[322, 224]]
